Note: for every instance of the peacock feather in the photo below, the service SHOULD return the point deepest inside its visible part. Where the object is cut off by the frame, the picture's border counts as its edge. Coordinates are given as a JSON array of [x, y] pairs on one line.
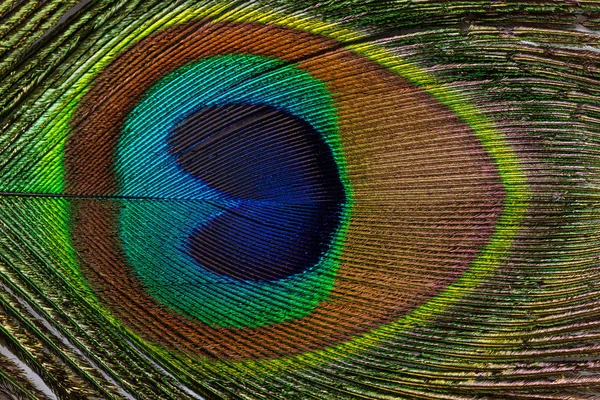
[[289, 199]]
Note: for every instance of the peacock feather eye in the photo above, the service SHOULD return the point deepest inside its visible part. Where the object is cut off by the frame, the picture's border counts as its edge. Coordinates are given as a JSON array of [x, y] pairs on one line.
[[284, 200]]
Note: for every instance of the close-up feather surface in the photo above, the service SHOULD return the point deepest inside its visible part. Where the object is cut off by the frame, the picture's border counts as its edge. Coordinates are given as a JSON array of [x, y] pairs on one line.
[[287, 199]]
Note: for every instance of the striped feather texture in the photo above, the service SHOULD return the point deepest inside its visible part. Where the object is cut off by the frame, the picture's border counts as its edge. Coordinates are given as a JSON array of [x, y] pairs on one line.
[[292, 199]]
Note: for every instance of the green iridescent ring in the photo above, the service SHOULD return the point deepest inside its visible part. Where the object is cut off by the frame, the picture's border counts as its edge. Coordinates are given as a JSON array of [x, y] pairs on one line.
[[373, 114]]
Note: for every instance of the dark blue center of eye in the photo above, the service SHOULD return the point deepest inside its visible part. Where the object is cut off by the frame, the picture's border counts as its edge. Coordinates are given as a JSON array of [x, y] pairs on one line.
[[287, 182]]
